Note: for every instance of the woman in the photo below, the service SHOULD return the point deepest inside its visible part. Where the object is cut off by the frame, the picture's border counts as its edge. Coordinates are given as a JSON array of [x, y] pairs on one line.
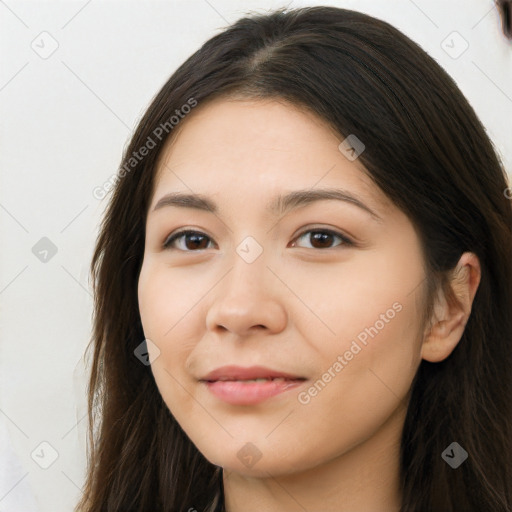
[[303, 284]]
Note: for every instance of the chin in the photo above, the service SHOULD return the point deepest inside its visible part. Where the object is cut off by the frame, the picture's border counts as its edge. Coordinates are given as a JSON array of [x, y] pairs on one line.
[[246, 459]]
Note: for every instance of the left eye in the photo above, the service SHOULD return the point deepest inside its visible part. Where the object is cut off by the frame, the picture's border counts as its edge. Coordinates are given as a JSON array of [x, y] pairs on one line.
[[321, 237]]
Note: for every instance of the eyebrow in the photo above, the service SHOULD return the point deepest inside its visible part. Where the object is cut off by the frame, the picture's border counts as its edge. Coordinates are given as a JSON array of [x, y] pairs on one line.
[[278, 206]]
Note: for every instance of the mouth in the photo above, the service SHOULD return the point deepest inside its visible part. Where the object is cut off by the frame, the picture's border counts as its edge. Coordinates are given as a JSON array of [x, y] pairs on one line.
[[250, 392], [248, 386], [262, 379], [252, 373]]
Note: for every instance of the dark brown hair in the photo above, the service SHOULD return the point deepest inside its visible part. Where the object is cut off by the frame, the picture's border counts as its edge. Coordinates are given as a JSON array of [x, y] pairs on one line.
[[505, 8], [429, 153]]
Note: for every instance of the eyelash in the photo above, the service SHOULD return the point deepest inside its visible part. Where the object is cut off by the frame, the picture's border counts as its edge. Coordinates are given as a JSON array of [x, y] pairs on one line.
[[345, 240]]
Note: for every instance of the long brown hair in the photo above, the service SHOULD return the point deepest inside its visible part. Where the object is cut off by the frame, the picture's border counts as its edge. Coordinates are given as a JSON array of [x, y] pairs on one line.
[[429, 153]]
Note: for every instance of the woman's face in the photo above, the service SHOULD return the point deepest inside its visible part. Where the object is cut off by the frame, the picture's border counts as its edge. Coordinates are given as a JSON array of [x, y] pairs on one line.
[[320, 289]]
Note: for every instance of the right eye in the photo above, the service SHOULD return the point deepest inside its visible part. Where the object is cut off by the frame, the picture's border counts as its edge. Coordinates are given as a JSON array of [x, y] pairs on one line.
[[192, 239]]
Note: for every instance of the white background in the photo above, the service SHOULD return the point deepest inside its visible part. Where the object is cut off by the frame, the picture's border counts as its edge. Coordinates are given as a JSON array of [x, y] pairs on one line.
[[65, 121]]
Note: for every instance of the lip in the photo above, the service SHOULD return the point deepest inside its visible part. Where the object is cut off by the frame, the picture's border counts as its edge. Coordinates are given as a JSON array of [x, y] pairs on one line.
[[227, 384], [232, 372]]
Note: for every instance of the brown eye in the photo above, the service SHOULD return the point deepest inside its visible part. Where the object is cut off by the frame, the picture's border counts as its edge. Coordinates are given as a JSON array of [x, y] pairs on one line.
[[193, 240], [323, 238], [196, 240]]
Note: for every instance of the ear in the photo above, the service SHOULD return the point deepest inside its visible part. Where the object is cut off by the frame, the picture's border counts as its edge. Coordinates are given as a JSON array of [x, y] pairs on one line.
[[445, 331]]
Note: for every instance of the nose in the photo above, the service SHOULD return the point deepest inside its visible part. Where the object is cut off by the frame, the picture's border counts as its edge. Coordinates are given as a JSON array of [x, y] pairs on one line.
[[248, 300]]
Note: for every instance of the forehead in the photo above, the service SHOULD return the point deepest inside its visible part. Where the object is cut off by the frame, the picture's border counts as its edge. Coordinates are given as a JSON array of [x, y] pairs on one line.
[[238, 126], [257, 144]]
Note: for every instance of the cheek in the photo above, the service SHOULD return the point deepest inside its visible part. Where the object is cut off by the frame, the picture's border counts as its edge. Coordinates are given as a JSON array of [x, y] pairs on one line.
[[367, 381], [363, 308], [370, 357], [168, 310], [166, 302], [382, 356]]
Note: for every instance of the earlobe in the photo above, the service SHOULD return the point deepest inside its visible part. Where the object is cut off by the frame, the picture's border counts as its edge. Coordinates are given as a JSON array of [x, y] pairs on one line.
[[451, 316]]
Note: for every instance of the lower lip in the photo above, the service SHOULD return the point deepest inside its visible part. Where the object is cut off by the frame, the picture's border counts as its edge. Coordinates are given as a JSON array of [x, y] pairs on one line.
[[237, 392]]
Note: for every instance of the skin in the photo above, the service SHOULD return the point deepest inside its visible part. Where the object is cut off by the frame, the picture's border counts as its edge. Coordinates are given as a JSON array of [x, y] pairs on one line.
[[295, 308]]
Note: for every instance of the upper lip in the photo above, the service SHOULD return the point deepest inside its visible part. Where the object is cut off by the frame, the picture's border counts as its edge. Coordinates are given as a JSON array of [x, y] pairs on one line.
[[232, 372]]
